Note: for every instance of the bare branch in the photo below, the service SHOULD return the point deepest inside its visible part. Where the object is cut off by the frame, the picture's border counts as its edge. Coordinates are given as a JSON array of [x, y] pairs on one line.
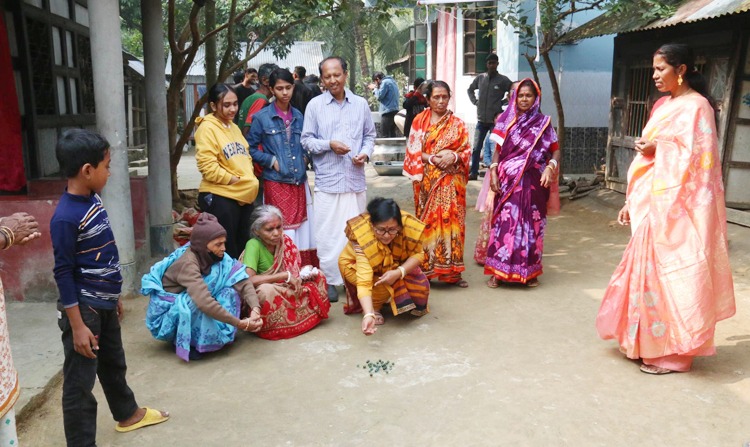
[[268, 40], [236, 18], [573, 9], [171, 27], [230, 39], [190, 29]]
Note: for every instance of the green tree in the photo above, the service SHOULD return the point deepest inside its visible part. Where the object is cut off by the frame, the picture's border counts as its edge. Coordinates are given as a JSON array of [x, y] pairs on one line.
[[366, 37], [260, 23], [130, 27]]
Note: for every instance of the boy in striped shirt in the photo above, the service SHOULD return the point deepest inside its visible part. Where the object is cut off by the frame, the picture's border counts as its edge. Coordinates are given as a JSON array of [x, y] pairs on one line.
[[87, 272]]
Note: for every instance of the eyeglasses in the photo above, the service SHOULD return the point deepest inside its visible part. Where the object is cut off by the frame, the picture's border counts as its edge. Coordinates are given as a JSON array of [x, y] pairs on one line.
[[389, 231]]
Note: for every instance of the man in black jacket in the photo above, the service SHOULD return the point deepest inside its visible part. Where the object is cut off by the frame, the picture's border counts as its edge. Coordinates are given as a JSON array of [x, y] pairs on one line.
[[302, 94], [492, 88]]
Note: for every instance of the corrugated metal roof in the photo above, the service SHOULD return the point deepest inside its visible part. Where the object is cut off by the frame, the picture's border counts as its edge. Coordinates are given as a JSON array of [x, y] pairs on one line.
[[688, 11], [305, 53]]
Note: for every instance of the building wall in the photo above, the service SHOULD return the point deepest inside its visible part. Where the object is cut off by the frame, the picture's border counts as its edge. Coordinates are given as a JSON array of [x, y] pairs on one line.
[[27, 272], [584, 74]]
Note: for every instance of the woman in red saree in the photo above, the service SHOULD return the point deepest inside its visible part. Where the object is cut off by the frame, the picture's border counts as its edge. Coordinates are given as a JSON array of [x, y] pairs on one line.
[[674, 282], [293, 299], [437, 161]]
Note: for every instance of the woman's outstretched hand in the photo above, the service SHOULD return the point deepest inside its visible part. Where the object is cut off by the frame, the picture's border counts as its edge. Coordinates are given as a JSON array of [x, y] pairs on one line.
[[368, 324], [24, 226]]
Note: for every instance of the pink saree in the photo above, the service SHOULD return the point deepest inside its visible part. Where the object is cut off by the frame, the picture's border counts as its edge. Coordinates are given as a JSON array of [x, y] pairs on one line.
[[674, 282]]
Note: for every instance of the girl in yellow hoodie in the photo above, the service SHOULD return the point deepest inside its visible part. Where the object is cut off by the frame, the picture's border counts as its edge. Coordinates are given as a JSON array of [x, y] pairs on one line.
[[229, 185]]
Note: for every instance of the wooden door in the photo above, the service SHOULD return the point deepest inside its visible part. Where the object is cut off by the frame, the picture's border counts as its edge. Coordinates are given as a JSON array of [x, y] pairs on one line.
[[736, 162]]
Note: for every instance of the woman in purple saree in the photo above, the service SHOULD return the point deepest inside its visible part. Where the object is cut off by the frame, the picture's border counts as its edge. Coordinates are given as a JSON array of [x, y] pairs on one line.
[[522, 171]]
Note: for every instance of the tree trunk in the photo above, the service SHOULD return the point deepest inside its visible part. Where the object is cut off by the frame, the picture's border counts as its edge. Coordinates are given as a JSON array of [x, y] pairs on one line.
[[532, 65], [558, 99], [210, 12], [359, 41], [173, 106], [372, 57]]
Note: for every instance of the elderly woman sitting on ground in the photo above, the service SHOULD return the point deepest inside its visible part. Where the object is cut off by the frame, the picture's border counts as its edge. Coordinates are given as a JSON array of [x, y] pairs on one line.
[[381, 264], [196, 294], [293, 298]]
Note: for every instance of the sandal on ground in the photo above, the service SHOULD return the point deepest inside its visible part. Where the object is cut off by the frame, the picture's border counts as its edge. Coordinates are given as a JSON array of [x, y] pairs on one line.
[[533, 283], [379, 320], [152, 417], [655, 370], [493, 283], [461, 283]]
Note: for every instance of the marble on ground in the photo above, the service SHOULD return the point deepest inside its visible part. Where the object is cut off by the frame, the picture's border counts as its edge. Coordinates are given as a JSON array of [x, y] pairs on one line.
[[509, 366]]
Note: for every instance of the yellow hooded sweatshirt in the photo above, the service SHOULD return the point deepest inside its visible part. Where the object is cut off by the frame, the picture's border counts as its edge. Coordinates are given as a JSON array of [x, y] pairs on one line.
[[221, 153]]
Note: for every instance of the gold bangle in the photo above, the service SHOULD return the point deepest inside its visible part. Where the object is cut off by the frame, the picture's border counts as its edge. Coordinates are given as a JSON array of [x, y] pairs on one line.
[[10, 238], [494, 165], [402, 270], [370, 314]]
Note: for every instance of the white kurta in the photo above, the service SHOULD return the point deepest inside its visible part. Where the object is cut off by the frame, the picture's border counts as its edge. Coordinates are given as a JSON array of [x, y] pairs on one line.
[[331, 213]]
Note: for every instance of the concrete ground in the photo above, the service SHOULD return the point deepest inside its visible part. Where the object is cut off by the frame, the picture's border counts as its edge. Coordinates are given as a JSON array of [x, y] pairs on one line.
[[509, 366]]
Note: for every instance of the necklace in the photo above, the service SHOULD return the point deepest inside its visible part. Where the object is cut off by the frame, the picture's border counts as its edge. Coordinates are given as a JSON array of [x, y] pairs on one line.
[[683, 93]]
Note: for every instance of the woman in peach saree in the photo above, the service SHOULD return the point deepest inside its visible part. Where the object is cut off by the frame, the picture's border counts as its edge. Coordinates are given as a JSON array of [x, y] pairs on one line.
[[674, 282]]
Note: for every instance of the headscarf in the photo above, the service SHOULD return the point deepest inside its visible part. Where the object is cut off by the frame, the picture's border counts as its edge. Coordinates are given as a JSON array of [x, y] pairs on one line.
[[528, 137], [206, 229], [505, 119]]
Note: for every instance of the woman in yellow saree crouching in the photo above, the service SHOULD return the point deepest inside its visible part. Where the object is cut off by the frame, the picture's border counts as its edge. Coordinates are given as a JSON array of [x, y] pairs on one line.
[[381, 264]]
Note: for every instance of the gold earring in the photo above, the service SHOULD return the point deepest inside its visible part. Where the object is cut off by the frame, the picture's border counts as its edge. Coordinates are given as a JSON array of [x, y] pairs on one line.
[[679, 80]]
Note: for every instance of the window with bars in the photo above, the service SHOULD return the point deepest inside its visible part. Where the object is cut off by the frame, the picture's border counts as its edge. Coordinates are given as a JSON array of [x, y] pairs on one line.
[[479, 27], [61, 68], [56, 61], [640, 97], [41, 75], [638, 94]]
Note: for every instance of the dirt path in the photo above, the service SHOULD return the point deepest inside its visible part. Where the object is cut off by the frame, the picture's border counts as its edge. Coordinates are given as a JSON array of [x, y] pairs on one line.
[[510, 366]]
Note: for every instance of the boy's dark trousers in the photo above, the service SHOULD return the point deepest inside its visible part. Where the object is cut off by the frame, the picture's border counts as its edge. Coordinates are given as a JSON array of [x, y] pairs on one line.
[[79, 374]]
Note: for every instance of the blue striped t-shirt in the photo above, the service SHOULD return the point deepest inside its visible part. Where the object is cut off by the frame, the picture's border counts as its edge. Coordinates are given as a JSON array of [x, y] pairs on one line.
[[87, 265]]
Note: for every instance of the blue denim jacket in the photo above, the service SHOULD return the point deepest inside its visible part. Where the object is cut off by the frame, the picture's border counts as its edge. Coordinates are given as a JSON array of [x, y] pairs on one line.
[[268, 131]]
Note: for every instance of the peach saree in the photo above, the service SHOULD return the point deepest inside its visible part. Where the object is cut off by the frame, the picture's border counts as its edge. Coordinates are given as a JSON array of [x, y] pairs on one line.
[[674, 282]]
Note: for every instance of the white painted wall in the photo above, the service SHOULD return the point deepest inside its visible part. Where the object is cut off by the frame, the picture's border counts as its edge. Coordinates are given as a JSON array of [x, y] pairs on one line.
[[507, 48], [463, 108]]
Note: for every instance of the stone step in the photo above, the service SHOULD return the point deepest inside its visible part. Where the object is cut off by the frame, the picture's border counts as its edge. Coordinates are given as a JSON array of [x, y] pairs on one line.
[[137, 153], [138, 163]]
